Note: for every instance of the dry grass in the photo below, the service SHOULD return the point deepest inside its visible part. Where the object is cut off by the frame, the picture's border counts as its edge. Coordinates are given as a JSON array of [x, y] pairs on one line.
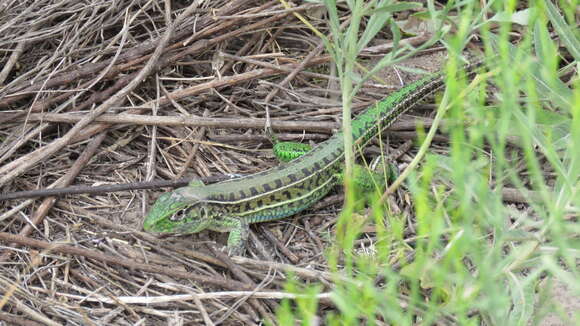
[[82, 259]]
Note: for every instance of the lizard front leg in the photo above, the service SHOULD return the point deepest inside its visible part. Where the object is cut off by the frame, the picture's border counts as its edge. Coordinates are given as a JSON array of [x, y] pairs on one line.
[[239, 231]]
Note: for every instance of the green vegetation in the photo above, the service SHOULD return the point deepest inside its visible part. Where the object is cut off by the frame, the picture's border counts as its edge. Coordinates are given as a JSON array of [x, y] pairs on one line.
[[473, 258]]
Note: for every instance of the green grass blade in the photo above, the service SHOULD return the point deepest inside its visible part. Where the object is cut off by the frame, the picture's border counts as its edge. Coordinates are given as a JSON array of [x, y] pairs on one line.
[[554, 89], [566, 33]]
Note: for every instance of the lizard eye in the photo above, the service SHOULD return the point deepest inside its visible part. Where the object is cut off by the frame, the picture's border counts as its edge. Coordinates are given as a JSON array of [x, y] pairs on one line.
[[179, 215]]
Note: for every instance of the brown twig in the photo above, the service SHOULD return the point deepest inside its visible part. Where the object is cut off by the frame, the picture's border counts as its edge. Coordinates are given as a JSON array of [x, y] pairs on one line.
[[193, 121], [291, 256], [99, 257], [18, 166], [236, 271], [191, 155], [15, 55], [47, 203], [139, 51], [17, 320], [75, 190]]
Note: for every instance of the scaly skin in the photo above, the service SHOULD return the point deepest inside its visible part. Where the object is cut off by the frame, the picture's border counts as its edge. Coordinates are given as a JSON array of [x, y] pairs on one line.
[[232, 205]]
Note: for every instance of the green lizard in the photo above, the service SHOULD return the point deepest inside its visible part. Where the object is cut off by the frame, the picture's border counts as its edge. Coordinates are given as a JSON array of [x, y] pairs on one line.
[[232, 205]]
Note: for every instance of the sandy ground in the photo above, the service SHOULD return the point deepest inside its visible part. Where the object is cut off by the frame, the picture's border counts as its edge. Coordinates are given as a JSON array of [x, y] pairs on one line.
[[569, 303]]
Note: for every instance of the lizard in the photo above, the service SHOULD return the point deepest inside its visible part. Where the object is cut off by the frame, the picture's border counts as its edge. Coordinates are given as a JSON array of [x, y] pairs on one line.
[[284, 190]]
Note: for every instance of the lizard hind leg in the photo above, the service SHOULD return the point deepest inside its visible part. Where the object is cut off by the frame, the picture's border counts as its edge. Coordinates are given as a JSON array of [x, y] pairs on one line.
[[366, 180], [195, 183], [370, 183], [286, 151]]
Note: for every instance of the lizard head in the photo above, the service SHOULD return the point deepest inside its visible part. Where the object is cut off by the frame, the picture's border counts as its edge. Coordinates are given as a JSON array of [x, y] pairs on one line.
[[183, 210]]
